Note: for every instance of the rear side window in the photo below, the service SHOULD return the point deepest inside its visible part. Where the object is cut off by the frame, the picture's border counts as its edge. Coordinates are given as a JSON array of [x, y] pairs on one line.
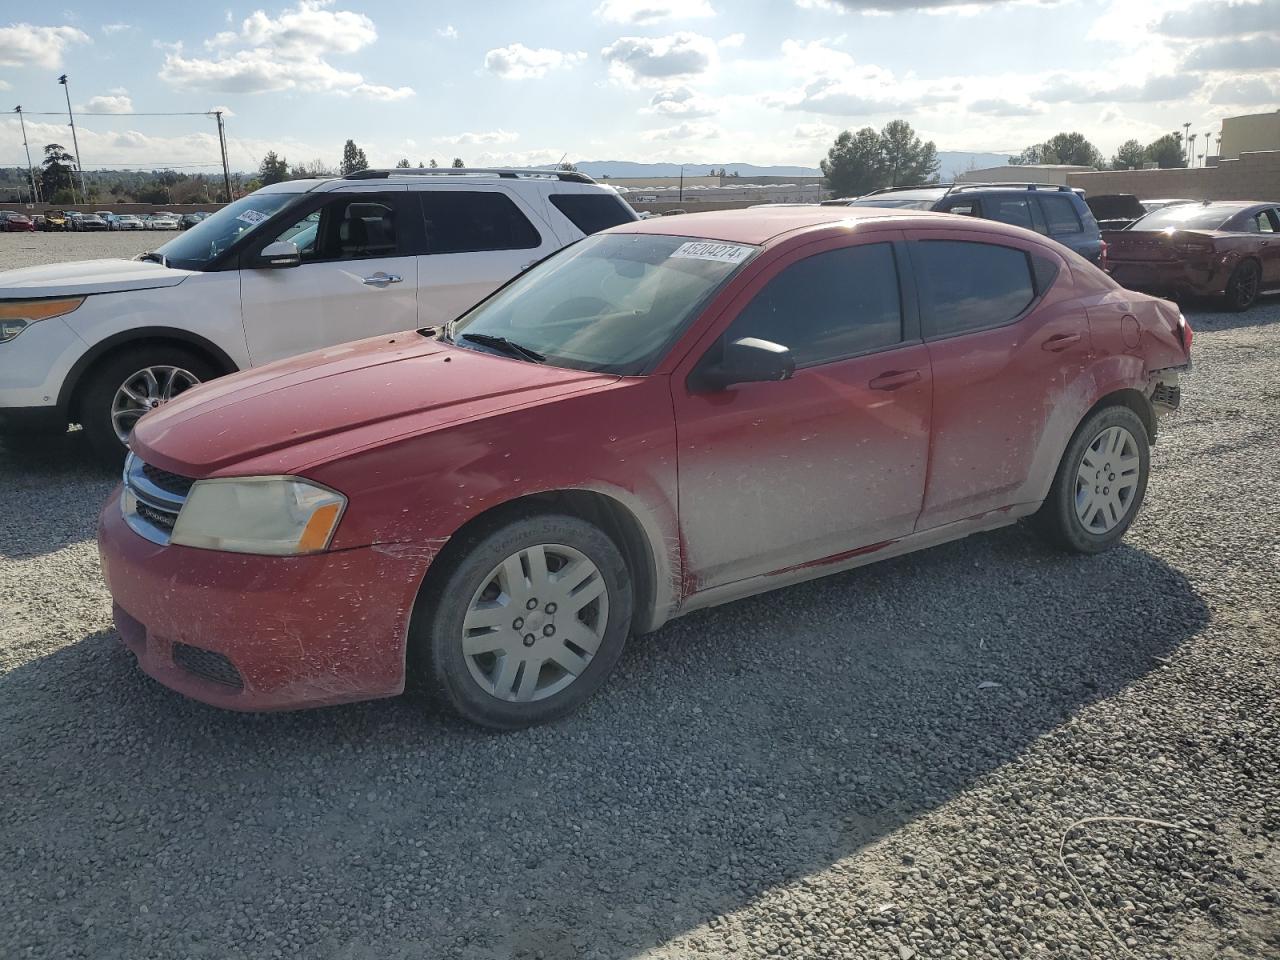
[[1013, 210], [829, 306], [592, 212], [1061, 215], [469, 221], [971, 286]]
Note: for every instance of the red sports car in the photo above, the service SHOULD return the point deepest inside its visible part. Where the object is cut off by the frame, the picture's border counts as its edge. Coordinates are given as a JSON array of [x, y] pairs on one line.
[[16, 223], [665, 416], [1225, 249]]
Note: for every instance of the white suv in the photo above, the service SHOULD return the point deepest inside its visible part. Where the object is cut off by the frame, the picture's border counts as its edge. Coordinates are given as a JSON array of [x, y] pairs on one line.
[[293, 267]]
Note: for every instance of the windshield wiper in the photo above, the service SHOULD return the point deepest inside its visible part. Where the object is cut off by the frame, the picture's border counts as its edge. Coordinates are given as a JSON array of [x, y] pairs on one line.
[[154, 257], [506, 346]]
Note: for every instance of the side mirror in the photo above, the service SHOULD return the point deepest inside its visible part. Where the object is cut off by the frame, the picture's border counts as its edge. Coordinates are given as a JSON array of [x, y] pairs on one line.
[[279, 253], [749, 360]]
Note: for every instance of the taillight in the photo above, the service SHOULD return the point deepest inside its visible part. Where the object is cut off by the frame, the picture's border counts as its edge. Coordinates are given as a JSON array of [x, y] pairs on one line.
[[1185, 333]]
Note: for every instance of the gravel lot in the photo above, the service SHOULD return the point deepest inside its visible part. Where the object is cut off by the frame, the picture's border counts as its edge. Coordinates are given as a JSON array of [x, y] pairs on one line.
[[880, 764]]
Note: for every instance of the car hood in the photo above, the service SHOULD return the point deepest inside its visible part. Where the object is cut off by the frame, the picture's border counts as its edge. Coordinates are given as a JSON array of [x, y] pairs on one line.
[[87, 276], [295, 413]]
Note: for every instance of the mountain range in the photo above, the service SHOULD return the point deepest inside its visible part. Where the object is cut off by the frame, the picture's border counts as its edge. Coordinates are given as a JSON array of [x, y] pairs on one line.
[[951, 163]]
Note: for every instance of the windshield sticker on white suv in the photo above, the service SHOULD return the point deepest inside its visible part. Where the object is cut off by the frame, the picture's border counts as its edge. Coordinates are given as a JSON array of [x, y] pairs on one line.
[[252, 217], [702, 250]]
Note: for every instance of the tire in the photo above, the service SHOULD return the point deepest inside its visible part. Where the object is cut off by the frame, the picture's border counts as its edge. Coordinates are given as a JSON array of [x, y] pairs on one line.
[[449, 653], [102, 384], [1077, 519], [1243, 286]]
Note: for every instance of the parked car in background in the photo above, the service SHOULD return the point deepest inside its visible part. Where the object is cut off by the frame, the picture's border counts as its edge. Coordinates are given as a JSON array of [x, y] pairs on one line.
[[1115, 211], [90, 221], [1153, 205], [11, 221], [39, 221], [127, 221], [292, 267], [164, 221], [107, 216], [492, 505], [55, 220], [1056, 212], [1223, 249], [188, 220]]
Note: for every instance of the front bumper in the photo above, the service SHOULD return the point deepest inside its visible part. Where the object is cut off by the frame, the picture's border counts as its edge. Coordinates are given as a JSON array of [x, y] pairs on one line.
[[269, 633]]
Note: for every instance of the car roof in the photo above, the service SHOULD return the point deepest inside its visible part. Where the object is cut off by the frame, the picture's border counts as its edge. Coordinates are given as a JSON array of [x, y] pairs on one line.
[[759, 225]]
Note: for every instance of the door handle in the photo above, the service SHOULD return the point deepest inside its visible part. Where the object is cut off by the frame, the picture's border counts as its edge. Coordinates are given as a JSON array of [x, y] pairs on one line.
[[381, 279], [1060, 342], [894, 379]]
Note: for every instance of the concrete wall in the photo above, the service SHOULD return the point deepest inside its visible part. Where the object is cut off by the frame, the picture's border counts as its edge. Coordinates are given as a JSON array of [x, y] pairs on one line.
[[1255, 176], [1022, 173], [1258, 131]]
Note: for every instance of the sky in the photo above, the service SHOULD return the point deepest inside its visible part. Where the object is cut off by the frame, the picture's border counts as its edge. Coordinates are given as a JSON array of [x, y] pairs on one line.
[[699, 81]]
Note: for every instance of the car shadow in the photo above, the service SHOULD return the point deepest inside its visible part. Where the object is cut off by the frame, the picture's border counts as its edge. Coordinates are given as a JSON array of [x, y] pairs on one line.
[[56, 479], [735, 751], [1208, 315]]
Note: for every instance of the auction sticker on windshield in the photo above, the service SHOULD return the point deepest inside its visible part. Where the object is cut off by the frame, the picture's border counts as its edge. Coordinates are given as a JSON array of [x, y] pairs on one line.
[[252, 217], [702, 250]]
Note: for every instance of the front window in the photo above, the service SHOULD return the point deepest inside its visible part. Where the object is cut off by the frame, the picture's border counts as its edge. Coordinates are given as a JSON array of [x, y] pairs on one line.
[[1187, 217], [197, 247], [612, 303]]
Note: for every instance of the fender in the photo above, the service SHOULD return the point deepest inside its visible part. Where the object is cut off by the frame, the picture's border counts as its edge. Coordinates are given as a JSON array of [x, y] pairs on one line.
[[106, 345]]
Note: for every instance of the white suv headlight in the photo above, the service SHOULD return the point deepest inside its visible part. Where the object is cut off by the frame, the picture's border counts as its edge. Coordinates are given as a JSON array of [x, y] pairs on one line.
[[279, 516]]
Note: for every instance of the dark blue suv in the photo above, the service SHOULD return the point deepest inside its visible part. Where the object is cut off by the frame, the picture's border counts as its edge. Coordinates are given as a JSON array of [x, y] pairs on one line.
[[1057, 212]]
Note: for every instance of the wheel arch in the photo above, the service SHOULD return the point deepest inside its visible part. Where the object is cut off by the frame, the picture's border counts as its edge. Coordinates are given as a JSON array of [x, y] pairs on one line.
[[1135, 400], [617, 519], [136, 337]]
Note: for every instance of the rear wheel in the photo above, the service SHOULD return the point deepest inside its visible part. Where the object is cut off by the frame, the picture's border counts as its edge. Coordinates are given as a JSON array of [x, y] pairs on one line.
[[1243, 286], [526, 624], [125, 386], [1100, 482]]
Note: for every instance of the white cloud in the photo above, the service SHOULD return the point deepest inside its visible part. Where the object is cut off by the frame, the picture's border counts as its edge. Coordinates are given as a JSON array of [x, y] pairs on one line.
[[117, 103], [649, 59], [23, 45], [732, 40], [518, 62], [1217, 19], [4, 85], [681, 102], [964, 7], [287, 52], [815, 131], [113, 28], [684, 131], [489, 136], [447, 32], [1063, 88], [652, 11], [1000, 107], [1247, 91]]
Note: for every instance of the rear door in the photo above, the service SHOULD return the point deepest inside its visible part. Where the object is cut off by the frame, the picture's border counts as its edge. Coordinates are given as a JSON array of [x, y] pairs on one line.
[[476, 237], [358, 275], [1268, 224], [1065, 224], [1006, 349]]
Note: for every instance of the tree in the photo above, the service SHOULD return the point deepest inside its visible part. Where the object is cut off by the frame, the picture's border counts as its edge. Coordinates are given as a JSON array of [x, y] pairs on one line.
[[432, 163], [402, 163], [423, 166], [568, 167], [1131, 155], [273, 169], [55, 172], [853, 165], [1167, 152], [1062, 148], [353, 159], [905, 158], [457, 162], [1032, 154], [313, 168]]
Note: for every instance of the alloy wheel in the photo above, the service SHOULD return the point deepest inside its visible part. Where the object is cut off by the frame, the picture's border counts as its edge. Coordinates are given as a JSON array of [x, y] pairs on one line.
[[535, 623], [145, 390], [1107, 480]]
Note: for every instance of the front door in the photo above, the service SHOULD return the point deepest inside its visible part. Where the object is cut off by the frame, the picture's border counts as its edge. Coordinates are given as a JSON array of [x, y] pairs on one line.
[[358, 276], [780, 474], [1268, 224]]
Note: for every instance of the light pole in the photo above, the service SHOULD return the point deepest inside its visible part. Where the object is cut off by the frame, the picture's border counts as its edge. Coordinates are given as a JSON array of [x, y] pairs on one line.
[[74, 142], [681, 197], [35, 188]]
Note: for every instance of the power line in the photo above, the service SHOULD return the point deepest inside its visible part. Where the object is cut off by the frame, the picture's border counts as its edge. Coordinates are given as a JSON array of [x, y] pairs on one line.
[[87, 113]]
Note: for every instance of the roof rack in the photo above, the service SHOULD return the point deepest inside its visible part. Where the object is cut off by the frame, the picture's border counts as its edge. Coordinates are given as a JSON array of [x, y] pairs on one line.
[[505, 173], [1030, 185], [908, 186]]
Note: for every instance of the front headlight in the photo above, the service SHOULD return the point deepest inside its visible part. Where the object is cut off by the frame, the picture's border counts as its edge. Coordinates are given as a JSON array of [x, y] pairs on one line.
[[280, 516], [17, 315]]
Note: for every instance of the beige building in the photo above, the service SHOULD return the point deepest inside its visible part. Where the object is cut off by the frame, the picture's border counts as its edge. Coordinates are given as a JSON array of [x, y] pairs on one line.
[[1257, 131], [1252, 176], [1023, 173]]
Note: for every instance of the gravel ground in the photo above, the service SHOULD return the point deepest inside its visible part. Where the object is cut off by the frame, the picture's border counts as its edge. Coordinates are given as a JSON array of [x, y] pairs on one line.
[[881, 764]]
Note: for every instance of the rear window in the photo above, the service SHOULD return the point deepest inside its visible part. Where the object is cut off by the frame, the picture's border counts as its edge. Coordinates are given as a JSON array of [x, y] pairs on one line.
[[1061, 215], [1012, 210], [592, 212], [1188, 216], [968, 285], [471, 221]]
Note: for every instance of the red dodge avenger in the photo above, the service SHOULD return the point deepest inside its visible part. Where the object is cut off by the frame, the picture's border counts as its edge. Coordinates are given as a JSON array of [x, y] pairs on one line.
[[665, 416]]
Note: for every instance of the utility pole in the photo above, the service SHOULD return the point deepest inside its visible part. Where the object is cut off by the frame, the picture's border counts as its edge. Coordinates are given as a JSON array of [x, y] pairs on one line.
[[74, 142], [681, 200], [222, 142], [35, 187]]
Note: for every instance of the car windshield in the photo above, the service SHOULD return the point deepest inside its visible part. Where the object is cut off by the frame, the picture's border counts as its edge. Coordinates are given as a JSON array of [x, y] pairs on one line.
[[612, 303], [195, 248], [1187, 217]]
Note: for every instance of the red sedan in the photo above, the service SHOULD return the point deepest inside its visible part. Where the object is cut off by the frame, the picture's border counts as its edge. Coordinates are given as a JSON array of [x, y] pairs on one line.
[[1223, 249], [11, 222], [663, 417]]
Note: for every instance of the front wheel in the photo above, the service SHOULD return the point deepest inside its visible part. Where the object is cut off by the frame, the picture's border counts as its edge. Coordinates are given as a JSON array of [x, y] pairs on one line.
[[125, 386], [526, 623], [1243, 286], [1100, 482]]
